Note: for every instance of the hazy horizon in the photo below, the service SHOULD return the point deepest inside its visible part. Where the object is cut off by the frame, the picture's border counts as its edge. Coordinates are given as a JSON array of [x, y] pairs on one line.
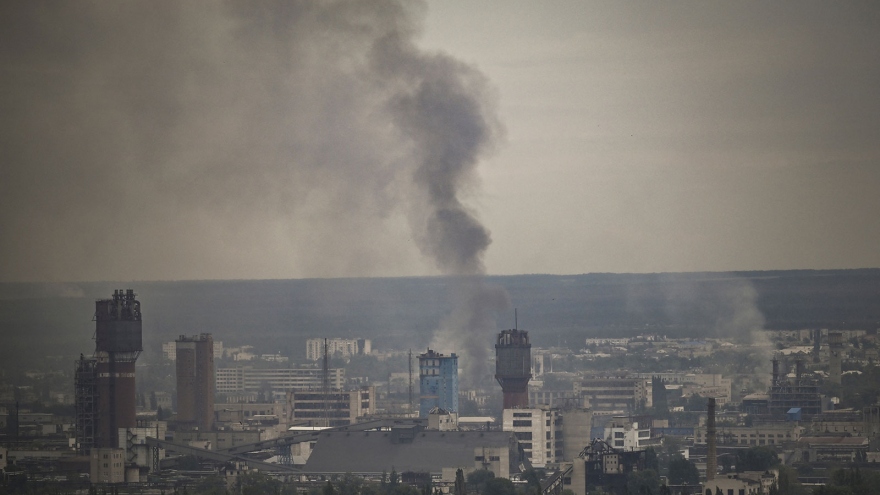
[[293, 140]]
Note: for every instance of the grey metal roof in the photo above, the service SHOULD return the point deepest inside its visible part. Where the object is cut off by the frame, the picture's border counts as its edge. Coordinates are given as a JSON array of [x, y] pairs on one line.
[[374, 451]]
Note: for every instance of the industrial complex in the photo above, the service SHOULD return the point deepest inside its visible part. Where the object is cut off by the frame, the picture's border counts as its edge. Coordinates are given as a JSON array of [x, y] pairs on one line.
[[233, 411]]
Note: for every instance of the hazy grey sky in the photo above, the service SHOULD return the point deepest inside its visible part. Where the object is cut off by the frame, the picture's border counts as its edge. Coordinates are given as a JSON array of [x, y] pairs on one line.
[[196, 140]]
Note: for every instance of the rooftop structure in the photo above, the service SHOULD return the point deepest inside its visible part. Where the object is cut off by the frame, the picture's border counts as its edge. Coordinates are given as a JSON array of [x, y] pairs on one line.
[[105, 384], [411, 449], [513, 367]]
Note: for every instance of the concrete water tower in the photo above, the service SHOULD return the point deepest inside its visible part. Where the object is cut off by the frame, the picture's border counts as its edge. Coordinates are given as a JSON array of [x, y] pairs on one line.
[[513, 370]]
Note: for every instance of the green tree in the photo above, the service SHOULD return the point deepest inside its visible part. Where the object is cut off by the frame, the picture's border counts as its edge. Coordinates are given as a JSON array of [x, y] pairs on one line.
[[328, 489], [651, 460], [476, 480], [211, 485], [683, 472], [350, 485], [533, 479], [255, 483], [788, 483], [499, 486], [460, 488], [643, 483], [756, 459]]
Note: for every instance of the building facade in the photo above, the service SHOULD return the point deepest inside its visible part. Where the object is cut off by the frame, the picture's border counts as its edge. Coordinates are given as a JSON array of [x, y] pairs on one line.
[[337, 347], [539, 431], [612, 392], [245, 379], [195, 381], [438, 382], [331, 408], [625, 434]]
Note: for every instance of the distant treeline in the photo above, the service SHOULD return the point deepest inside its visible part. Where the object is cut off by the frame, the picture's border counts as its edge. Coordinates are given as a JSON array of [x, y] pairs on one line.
[[278, 315]]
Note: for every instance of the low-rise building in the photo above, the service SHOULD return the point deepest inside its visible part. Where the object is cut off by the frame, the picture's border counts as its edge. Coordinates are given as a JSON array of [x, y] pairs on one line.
[[421, 451], [732, 484]]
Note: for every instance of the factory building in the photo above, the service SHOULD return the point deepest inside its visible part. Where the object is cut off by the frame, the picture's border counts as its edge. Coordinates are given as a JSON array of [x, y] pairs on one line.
[[612, 392], [331, 408], [438, 382], [798, 394], [415, 450], [195, 381], [105, 384], [513, 367], [600, 467]]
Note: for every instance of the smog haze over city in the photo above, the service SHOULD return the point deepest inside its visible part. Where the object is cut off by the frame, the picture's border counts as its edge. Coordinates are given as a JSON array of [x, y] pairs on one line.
[[178, 141], [335, 212]]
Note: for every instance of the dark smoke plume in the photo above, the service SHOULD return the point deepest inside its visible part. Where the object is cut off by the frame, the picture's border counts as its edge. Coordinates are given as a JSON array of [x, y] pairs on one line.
[[440, 104], [180, 140]]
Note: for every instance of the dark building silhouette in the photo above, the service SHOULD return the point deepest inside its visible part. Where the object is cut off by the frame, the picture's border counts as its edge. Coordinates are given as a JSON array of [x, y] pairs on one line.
[[105, 383], [195, 381], [513, 367]]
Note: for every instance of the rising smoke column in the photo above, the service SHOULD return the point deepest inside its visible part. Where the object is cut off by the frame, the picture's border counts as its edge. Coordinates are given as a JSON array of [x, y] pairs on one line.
[[221, 139], [444, 108]]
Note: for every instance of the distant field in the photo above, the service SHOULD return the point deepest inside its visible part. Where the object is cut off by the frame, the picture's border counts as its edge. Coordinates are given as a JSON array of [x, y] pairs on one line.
[[278, 315]]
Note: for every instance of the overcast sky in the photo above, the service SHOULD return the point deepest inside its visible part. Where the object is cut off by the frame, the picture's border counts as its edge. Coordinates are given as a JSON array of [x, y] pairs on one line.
[[163, 140]]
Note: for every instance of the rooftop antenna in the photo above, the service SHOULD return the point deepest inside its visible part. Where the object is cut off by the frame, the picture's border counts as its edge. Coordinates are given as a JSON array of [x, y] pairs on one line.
[[325, 384], [410, 382], [515, 320]]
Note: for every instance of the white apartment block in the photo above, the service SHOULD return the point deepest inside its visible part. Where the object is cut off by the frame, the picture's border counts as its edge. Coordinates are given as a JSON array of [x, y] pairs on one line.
[[342, 347], [232, 380], [539, 432], [623, 433]]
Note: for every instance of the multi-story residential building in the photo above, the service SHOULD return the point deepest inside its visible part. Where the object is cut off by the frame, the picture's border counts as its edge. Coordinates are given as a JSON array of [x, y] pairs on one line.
[[539, 431], [336, 407], [438, 382], [337, 347], [246, 379]]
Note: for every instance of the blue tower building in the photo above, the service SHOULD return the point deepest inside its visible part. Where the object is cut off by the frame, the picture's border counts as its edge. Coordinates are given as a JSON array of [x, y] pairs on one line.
[[438, 382]]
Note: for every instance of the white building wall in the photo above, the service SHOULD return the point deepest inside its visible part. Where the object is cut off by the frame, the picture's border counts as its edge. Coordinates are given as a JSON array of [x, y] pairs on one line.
[[539, 432], [345, 347]]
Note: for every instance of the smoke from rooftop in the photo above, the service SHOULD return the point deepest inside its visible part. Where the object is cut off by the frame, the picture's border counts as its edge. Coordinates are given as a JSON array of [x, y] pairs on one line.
[[152, 140]]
